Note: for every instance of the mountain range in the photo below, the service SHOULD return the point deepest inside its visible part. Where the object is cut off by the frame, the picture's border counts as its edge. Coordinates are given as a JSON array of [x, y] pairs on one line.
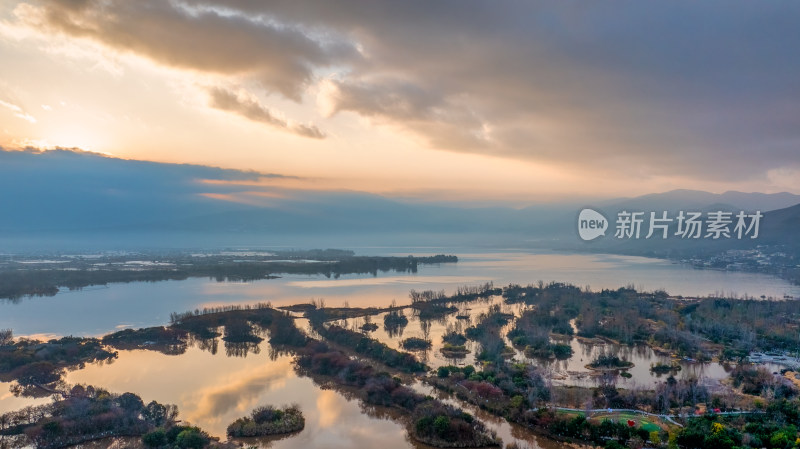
[[69, 199]]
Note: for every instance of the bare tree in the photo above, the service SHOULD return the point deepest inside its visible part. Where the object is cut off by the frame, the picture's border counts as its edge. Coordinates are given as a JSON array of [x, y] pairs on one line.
[[6, 337]]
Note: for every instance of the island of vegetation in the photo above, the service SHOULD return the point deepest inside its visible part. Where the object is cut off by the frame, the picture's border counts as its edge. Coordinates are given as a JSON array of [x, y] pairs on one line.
[[22, 276], [268, 420], [431, 304], [605, 361], [454, 344], [753, 408], [36, 366], [454, 351], [334, 368], [531, 333], [368, 327], [415, 344], [454, 338], [85, 413], [665, 368], [394, 321]]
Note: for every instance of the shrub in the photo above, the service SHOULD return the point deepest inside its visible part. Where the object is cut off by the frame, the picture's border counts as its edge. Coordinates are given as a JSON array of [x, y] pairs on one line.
[[441, 425], [191, 438], [454, 338], [156, 438], [414, 343], [268, 420]]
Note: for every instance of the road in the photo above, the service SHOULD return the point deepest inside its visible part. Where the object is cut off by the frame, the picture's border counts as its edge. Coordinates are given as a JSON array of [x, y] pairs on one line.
[[666, 417]]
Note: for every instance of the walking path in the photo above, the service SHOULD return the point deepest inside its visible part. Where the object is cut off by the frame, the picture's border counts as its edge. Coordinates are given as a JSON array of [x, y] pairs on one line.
[[666, 417]]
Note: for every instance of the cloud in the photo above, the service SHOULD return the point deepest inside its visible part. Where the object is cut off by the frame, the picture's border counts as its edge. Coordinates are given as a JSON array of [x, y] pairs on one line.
[[279, 56], [240, 391], [273, 56], [444, 123], [251, 109], [668, 89], [702, 91], [18, 111], [76, 162], [86, 190], [786, 179]]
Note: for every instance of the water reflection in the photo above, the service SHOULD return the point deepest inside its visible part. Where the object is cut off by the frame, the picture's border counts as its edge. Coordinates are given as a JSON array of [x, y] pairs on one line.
[[205, 344], [508, 432], [264, 442], [95, 311], [570, 371], [241, 349], [10, 401], [212, 390]]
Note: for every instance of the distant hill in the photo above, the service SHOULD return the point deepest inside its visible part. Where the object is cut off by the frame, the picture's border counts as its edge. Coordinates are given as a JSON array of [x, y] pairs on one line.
[[65, 190], [682, 199], [66, 197], [782, 227]]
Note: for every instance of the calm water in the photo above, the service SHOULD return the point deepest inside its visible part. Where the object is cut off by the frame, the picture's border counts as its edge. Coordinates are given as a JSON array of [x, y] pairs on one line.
[[563, 372], [99, 310], [212, 390]]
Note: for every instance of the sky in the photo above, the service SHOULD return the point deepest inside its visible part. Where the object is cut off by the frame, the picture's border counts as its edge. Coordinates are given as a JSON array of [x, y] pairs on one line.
[[471, 101]]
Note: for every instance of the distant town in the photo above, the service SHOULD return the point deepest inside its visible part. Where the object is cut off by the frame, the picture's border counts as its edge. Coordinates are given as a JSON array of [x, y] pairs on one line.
[[767, 259]]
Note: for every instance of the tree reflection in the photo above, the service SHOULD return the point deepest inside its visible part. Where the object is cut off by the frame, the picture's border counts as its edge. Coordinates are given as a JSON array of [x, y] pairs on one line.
[[425, 326], [205, 344], [394, 322], [37, 390], [264, 442], [276, 353], [241, 349]]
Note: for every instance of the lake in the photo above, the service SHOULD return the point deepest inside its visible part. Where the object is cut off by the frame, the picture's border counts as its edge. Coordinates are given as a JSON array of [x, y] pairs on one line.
[[212, 390], [102, 309]]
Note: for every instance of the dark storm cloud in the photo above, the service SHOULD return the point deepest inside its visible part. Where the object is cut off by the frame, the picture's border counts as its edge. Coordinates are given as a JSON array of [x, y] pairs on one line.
[[705, 89]]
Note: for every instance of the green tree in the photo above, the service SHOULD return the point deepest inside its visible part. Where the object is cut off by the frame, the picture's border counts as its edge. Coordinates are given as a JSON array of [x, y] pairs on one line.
[[190, 439], [441, 425], [779, 440], [130, 402], [655, 438], [156, 438], [672, 440]]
